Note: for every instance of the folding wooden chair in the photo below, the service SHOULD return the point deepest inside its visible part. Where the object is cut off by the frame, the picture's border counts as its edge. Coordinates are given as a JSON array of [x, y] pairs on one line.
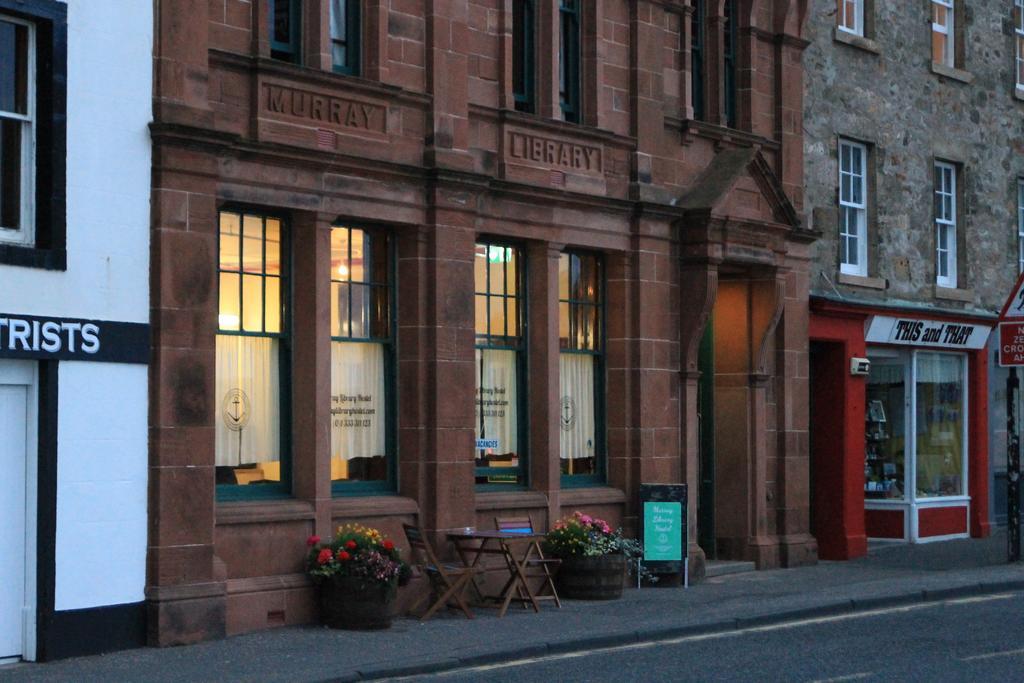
[[533, 558], [447, 581]]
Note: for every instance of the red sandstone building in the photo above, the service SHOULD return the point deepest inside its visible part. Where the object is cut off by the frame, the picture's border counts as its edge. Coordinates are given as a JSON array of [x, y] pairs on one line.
[[440, 260]]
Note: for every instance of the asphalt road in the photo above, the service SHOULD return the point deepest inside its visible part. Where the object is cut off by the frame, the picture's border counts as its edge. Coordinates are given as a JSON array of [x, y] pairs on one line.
[[968, 639]]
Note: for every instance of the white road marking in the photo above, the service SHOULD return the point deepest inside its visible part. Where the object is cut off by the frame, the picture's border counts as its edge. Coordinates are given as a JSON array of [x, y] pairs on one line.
[[848, 677], [990, 655], [722, 634]]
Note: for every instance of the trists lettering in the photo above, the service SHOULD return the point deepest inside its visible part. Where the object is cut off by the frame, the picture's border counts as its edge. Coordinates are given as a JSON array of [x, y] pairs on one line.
[[49, 336]]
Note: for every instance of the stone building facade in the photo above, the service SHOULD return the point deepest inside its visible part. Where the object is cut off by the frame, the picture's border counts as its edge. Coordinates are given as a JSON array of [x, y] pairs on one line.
[[914, 157], [382, 247]]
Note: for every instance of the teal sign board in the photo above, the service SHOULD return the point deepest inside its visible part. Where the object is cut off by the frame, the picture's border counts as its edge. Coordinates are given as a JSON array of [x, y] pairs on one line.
[[664, 527], [663, 539]]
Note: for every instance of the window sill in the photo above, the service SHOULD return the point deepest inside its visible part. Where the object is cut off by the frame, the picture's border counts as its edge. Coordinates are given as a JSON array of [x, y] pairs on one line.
[[862, 281], [510, 500], [374, 506], [952, 294], [853, 40], [1018, 93], [591, 495], [953, 73], [31, 257], [252, 512]]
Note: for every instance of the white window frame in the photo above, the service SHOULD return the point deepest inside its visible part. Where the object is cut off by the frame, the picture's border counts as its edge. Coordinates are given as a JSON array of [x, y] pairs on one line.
[[949, 58], [1020, 225], [945, 224], [1018, 39], [25, 233], [857, 28], [858, 209]]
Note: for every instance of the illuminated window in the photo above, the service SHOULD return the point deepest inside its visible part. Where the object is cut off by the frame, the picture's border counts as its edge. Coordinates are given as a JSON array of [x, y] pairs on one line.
[[500, 386], [729, 58], [251, 327], [580, 366], [945, 225], [285, 17], [523, 61], [1018, 38], [345, 36], [361, 359], [697, 59], [853, 208], [943, 35], [850, 16], [569, 59], [1020, 224], [17, 128]]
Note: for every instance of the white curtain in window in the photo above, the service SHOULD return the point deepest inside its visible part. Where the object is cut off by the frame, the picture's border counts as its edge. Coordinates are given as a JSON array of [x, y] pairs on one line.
[[357, 400], [248, 400], [576, 405], [933, 368], [496, 395]]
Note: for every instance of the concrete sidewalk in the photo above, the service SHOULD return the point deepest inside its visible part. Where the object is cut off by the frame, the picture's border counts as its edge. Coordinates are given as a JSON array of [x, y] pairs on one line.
[[891, 574]]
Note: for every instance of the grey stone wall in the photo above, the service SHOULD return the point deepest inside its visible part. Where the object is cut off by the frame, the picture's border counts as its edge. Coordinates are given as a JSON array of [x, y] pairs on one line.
[[884, 92]]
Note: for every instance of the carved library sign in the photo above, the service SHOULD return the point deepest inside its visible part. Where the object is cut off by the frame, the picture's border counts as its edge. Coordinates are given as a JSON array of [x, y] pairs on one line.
[[553, 153]]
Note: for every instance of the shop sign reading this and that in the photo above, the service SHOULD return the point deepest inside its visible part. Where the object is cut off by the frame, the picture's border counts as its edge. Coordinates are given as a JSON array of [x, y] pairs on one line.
[[931, 333]]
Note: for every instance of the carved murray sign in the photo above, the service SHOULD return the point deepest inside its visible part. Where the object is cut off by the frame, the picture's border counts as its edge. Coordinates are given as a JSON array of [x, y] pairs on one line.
[[323, 110]]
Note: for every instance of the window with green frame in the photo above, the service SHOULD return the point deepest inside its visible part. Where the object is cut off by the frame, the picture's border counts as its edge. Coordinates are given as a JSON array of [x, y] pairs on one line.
[[345, 36], [581, 367], [285, 18], [523, 59], [362, 361], [729, 57], [500, 447], [697, 20], [569, 59], [251, 384]]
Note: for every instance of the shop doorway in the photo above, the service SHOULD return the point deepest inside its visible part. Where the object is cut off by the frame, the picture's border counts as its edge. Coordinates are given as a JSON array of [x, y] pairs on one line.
[[17, 503]]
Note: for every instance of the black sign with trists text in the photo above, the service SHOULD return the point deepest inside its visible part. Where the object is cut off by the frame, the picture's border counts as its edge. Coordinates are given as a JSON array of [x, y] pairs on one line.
[[56, 338]]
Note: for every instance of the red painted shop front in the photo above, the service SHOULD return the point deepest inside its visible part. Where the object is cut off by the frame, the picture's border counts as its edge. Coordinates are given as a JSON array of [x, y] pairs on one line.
[[899, 443]]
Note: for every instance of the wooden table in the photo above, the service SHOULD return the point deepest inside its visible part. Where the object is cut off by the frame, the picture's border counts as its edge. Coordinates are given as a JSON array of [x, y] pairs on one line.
[[472, 546]]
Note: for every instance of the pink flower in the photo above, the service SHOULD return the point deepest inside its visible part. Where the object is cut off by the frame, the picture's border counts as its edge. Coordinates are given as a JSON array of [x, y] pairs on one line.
[[312, 540]]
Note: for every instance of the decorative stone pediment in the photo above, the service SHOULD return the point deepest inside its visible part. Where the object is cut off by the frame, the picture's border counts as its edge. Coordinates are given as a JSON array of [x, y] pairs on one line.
[[740, 186]]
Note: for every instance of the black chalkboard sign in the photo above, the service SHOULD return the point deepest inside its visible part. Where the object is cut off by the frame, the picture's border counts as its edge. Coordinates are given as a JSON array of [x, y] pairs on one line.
[[664, 527]]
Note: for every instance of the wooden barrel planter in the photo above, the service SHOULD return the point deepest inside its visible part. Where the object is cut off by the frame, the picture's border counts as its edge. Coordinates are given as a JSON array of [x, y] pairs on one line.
[[350, 603], [591, 578]]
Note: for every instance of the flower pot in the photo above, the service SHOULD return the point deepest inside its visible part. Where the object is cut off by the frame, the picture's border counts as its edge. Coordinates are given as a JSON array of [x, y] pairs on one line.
[[591, 578], [352, 603]]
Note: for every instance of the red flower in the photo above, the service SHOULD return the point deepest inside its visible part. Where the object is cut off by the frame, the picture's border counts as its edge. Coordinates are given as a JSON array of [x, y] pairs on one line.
[[388, 545], [342, 555], [351, 545], [324, 557], [312, 540]]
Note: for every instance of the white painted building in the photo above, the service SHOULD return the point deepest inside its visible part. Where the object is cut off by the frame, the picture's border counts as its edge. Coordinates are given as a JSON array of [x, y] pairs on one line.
[[74, 311]]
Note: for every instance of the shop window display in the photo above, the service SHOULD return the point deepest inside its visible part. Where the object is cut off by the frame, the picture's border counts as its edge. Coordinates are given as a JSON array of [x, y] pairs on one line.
[[932, 461], [940, 425], [581, 324], [885, 455], [360, 354], [251, 326], [499, 346]]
